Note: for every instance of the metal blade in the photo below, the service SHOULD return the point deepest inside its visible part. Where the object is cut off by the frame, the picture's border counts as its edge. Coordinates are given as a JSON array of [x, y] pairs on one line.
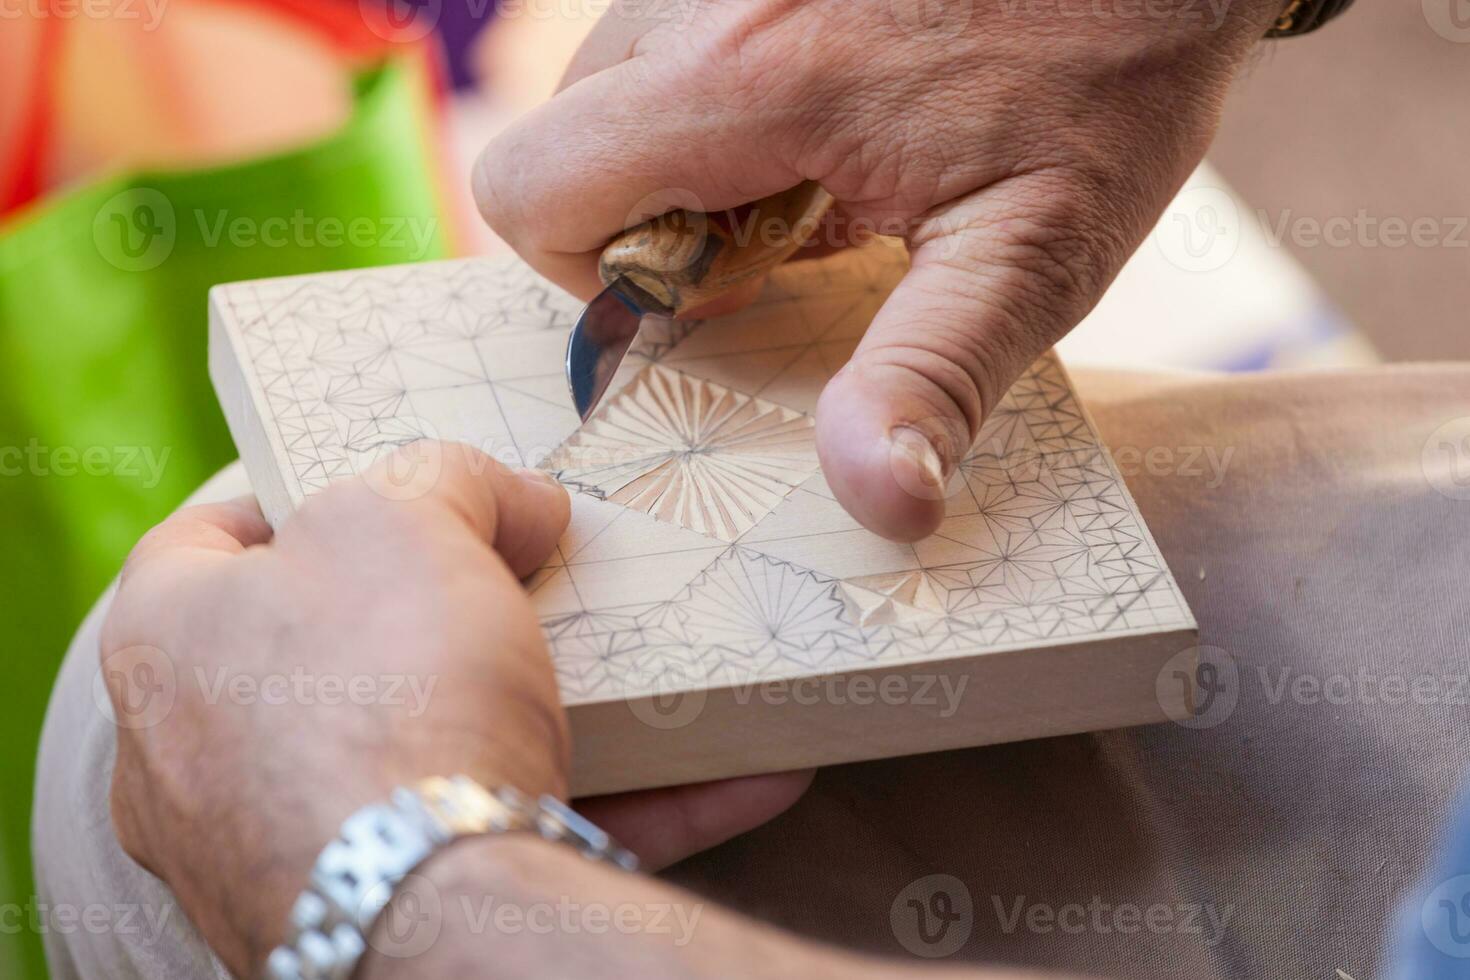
[[598, 344]]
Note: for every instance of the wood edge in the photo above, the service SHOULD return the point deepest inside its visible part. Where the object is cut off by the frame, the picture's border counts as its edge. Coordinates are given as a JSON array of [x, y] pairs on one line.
[[615, 751], [240, 397]]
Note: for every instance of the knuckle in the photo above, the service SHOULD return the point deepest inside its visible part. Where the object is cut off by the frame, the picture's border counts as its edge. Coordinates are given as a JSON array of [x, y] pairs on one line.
[[1014, 285], [775, 75], [1051, 273], [319, 512], [344, 510], [949, 379], [501, 205], [982, 352], [1054, 251], [135, 558]]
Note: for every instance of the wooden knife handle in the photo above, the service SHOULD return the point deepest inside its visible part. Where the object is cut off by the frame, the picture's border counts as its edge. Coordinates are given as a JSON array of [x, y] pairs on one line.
[[684, 259]]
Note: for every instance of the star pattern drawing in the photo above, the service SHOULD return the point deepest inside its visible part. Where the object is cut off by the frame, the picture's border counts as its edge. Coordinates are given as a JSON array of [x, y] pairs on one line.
[[704, 543]]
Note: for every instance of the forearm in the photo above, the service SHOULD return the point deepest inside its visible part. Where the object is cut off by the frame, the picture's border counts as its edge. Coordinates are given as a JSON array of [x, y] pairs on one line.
[[517, 908]]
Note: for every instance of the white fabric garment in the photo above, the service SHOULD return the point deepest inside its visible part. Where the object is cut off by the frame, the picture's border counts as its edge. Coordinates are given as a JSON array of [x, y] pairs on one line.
[[1319, 525]]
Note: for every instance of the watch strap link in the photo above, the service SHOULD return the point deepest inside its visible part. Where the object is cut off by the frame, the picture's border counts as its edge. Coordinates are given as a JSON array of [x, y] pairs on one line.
[[378, 846]]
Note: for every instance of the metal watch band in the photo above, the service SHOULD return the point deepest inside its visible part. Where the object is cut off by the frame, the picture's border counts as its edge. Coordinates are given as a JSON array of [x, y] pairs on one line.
[[1305, 16], [355, 876]]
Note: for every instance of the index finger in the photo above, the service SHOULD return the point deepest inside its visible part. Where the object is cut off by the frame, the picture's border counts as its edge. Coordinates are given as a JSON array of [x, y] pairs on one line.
[[202, 530], [426, 490], [636, 140]]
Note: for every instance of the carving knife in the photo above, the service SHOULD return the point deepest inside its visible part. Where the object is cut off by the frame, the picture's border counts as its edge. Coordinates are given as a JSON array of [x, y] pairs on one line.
[[677, 262]]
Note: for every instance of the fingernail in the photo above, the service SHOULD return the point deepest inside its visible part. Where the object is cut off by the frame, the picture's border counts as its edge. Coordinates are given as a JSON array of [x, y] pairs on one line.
[[914, 444]]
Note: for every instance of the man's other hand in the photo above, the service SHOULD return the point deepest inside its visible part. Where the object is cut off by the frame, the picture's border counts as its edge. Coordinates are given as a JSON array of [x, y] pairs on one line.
[[266, 685], [1021, 148]]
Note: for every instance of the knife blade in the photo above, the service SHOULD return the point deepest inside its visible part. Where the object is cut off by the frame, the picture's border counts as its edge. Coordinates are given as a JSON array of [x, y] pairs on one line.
[[675, 263], [604, 333]]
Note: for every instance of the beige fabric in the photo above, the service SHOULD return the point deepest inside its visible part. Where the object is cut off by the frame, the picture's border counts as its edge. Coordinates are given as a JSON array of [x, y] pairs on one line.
[[1315, 550]]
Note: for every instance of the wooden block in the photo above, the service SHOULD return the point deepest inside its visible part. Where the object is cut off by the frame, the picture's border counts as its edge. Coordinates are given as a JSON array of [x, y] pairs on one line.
[[712, 611]]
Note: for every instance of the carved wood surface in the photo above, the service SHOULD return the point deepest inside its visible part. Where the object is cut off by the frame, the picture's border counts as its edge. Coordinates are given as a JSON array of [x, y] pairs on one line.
[[705, 547]]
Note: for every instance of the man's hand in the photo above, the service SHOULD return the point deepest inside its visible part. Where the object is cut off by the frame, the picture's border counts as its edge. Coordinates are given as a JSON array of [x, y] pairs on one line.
[[1022, 148], [266, 687]]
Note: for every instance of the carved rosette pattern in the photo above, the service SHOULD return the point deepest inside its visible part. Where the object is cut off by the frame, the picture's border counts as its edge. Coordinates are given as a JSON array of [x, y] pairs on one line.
[[690, 452]]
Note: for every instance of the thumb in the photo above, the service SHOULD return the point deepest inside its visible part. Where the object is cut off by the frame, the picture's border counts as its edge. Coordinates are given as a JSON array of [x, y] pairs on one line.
[[991, 286], [438, 491]]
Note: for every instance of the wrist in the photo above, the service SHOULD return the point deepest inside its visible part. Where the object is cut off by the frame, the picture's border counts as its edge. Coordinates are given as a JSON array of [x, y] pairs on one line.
[[270, 849], [435, 924], [370, 874]]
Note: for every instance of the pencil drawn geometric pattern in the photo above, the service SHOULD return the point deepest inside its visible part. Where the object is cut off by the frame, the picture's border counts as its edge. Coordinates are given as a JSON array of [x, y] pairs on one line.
[[749, 598], [690, 452], [705, 545]]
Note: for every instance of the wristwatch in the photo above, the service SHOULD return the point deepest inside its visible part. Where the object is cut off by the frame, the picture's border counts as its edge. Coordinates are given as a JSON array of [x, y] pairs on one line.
[[379, 845], [1304, 16]]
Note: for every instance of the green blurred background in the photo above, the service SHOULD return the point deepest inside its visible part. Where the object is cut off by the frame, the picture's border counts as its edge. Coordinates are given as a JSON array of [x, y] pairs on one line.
[[103, 302]]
